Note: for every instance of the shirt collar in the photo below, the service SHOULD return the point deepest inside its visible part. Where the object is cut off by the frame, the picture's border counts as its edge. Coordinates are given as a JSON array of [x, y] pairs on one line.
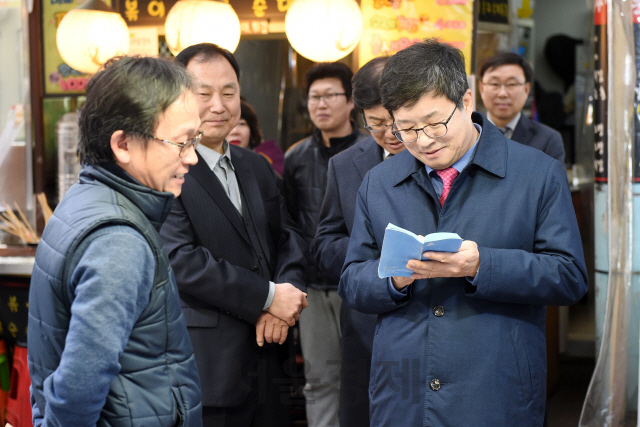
[[212, 157], [464, 160], [511, 125]]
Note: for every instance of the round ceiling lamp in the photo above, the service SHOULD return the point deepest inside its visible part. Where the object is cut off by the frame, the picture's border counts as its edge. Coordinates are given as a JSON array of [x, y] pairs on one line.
[[323, 30], [90, 34], [191, 22]]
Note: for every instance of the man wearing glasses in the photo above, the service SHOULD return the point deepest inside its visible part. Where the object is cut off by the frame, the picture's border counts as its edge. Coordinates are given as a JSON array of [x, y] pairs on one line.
[[505, 83], [108, 342], [346, 172], [237, 258], [305, 178], [461, 341]]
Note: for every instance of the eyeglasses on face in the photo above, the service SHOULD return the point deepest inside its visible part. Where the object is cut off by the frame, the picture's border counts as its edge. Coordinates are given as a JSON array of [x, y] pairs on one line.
[[435, 130], [184, 146], [509, 87], [328, 98], [381, 127]]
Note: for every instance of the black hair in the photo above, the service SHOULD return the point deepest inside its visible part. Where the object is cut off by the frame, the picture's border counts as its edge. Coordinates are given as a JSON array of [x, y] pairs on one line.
[[128, 94], [249, 115], [206, 52], [325, 70], [366, 83], [431, 66], [507, 58]]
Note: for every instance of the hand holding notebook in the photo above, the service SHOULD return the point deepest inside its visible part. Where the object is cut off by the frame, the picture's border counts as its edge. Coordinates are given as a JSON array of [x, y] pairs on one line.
[[400, 246]]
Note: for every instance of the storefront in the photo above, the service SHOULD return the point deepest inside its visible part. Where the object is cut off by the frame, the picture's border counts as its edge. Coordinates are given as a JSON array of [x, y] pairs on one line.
[[40, 93]]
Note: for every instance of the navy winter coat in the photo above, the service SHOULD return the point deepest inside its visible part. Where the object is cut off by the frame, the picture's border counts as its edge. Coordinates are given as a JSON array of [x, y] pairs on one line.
[[453, 353]]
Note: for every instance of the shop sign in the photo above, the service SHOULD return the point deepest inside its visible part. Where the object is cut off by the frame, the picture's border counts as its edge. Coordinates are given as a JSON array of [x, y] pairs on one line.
[[600, 76], [494, 11], [257, 26], [58, 77], [254, 12], [144, 41], [391, 25]]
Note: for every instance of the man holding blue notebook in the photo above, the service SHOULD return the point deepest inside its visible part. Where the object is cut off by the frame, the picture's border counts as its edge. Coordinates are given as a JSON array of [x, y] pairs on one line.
[[461, 342]]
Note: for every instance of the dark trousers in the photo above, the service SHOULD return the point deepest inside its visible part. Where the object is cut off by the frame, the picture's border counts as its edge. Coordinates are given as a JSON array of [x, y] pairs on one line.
[[269, 402]]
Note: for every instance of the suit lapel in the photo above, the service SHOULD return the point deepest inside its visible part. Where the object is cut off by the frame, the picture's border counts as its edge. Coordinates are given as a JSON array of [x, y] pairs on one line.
[[252, 196], [524, 131], [369, 156], [208, 180]]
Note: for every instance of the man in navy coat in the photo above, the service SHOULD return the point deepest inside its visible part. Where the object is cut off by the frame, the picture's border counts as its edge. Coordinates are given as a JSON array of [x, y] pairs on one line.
[[461, 342], [345, 174], [505, 83]]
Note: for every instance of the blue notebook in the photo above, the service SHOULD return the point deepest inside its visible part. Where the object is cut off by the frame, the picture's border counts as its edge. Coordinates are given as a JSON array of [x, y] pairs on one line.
[[400, 245]]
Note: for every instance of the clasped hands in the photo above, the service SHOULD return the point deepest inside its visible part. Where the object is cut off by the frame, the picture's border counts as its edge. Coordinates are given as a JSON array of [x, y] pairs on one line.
[[464, 263], [273, 324]]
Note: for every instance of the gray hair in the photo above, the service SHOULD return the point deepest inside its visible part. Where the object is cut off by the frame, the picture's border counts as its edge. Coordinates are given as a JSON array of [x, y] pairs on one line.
[[128, 94]]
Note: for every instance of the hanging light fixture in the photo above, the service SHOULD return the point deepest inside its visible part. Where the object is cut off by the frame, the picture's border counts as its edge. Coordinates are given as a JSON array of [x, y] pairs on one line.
[[323, 30], [191, 22], [90, 34]]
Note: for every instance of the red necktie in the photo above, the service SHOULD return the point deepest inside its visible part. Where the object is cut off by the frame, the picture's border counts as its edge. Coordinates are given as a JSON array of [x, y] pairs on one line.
[[447, 175]]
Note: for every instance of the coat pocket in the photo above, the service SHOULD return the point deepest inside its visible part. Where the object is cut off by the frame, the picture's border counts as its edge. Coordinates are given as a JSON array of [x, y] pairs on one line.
[[179, 415], [522, 359]]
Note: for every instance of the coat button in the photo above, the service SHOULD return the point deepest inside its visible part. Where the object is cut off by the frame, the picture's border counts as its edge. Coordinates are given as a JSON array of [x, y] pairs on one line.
[[438, 311], [435, 384], [255, 269]]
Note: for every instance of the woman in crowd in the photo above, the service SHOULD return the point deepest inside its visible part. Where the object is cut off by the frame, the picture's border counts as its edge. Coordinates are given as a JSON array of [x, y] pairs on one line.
[[247, 134]]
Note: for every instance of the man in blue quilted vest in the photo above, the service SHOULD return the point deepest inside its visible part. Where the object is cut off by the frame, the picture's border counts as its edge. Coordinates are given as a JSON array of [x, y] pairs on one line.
[[108, 344]]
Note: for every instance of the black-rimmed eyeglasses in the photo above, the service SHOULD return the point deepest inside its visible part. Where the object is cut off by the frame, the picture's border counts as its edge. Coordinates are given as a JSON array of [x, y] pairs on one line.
[[184, 146], [435, 130]]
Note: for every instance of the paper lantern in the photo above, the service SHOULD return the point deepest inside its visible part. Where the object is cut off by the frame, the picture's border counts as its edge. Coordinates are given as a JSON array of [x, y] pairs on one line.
[[323, 30], [90, 34], [191, 22]]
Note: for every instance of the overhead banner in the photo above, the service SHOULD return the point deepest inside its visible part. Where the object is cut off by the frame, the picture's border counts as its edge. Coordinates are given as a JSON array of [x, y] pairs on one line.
[[392, 25], [154, 12]]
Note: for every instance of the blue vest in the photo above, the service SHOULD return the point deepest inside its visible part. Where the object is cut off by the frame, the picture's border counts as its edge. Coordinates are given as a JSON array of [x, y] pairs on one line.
[[158, 381]]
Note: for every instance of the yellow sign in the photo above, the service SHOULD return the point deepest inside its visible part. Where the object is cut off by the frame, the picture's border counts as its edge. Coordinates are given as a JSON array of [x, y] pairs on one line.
[[392, 25], [144, 41], [59, 78], [10, 4]]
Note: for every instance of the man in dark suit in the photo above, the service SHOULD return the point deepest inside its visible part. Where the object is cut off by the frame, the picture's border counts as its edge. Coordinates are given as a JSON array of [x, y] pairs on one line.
[[461, 341], [505, 83], [345, 174], [236, 256]]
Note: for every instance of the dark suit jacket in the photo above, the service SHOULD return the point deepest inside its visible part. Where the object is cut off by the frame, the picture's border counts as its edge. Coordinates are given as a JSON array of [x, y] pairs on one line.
[[540, 136], [216, 268], [345, 174]]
